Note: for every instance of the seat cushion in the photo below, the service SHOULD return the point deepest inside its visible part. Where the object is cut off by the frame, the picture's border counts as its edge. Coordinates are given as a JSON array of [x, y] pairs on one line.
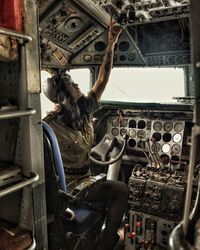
[[84, 219]]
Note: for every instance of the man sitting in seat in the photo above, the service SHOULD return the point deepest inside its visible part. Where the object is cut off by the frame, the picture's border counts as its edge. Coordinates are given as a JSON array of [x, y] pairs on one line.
[[72, 124]]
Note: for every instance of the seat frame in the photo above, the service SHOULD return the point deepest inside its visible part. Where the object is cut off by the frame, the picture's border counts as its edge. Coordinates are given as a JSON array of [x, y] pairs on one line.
[[84, 229]]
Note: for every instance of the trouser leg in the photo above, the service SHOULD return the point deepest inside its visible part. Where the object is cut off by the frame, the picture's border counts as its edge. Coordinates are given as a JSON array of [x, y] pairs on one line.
[[115, 196]]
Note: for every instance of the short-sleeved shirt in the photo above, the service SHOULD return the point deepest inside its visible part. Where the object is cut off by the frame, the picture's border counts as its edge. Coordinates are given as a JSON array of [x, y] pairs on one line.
[[75, 145]]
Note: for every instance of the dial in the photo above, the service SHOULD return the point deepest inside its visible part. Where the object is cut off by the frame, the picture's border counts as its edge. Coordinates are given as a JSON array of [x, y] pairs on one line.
[[132, 123], [178, 127], [177, 137], [132, 143], [132, 133], [156, 147], [141, 124], [167, 137], [124, 123], [165, 159], [156, 136], [176, 149], [168, 126], [115, 131], [123, 131], [141, 134], [157, 126], [166, 148], [115, 122]]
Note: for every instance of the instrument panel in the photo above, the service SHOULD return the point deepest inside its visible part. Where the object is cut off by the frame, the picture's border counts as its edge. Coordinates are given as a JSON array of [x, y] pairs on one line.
[[156, 149], [160, 141], [154, 164]]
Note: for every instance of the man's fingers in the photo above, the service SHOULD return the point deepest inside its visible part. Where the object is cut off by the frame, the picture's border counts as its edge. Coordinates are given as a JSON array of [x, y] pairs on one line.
[[114, 22], [111, 20]]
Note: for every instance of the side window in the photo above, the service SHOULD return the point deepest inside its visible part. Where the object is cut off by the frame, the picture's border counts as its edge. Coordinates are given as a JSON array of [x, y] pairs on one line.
[[80, 76]]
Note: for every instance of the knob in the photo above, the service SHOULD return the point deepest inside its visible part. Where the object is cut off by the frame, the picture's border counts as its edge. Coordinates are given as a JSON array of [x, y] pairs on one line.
[[132, 235]]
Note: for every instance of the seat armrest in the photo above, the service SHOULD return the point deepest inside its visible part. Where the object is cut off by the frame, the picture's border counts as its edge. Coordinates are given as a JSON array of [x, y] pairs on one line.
[[69, 214], [74, 200]]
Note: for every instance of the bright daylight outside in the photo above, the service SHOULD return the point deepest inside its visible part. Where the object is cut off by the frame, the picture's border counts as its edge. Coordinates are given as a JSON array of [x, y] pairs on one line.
[[158, 85]]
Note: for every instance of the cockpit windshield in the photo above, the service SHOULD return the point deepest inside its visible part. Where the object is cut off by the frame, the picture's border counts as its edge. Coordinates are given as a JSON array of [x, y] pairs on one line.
[[157, 85]]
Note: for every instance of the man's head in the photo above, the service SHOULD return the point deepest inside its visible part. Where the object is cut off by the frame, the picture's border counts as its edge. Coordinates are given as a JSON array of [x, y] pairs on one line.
[[8, 48], [61, 87], [73, 105]]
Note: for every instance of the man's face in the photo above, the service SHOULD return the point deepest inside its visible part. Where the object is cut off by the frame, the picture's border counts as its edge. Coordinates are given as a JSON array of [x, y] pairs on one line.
[[8, 48], [73, 89]]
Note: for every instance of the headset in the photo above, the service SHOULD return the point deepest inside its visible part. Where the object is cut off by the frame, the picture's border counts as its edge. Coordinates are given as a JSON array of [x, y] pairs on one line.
[[54, 88]]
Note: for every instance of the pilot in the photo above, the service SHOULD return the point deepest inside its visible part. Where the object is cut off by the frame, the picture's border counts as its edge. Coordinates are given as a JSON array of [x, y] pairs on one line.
[[72, 124]]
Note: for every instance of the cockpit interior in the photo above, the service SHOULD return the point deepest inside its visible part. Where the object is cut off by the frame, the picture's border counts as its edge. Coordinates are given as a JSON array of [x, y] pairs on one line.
[[153, 124]]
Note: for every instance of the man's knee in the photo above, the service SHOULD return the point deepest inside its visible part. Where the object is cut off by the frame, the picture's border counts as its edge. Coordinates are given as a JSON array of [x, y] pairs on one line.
[[124, 190], [121, 190]]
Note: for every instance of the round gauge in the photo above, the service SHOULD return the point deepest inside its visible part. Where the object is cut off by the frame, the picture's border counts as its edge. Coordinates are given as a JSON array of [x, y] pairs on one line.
[[178, 127], [115, 131], [156, 147], [156, 136], [73, 24], [141, 134], [141, 124], [165, 159], [100, 46], [168, 126], [124, 123], [87, 58], [123, 131], [131, 56], [132, 133], [132, 123], [165, 148], [167, 137], [177, 137], [132, 143], [176, 149], [115, 122], [157, 126], [124, 46]]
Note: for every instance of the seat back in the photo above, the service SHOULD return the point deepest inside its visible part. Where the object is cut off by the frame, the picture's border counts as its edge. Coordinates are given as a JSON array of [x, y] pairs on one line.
[[56, 156]]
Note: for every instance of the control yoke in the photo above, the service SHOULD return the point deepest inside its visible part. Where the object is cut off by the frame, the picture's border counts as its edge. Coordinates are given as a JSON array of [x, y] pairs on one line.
[[105, 147]]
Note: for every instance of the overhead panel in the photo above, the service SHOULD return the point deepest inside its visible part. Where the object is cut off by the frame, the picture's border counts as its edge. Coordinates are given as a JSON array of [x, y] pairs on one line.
[[158, 28], [163, 43], [44, 5], [142, 11], [53, 56], [125, 53], [156, 32], [68, 27]]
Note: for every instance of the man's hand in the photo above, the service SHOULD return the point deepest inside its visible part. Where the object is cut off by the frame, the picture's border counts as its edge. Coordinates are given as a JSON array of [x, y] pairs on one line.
[[106, 66], [113, 33]]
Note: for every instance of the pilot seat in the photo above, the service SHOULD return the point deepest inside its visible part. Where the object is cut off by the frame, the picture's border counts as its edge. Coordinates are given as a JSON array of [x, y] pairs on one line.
[[72, 223]]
